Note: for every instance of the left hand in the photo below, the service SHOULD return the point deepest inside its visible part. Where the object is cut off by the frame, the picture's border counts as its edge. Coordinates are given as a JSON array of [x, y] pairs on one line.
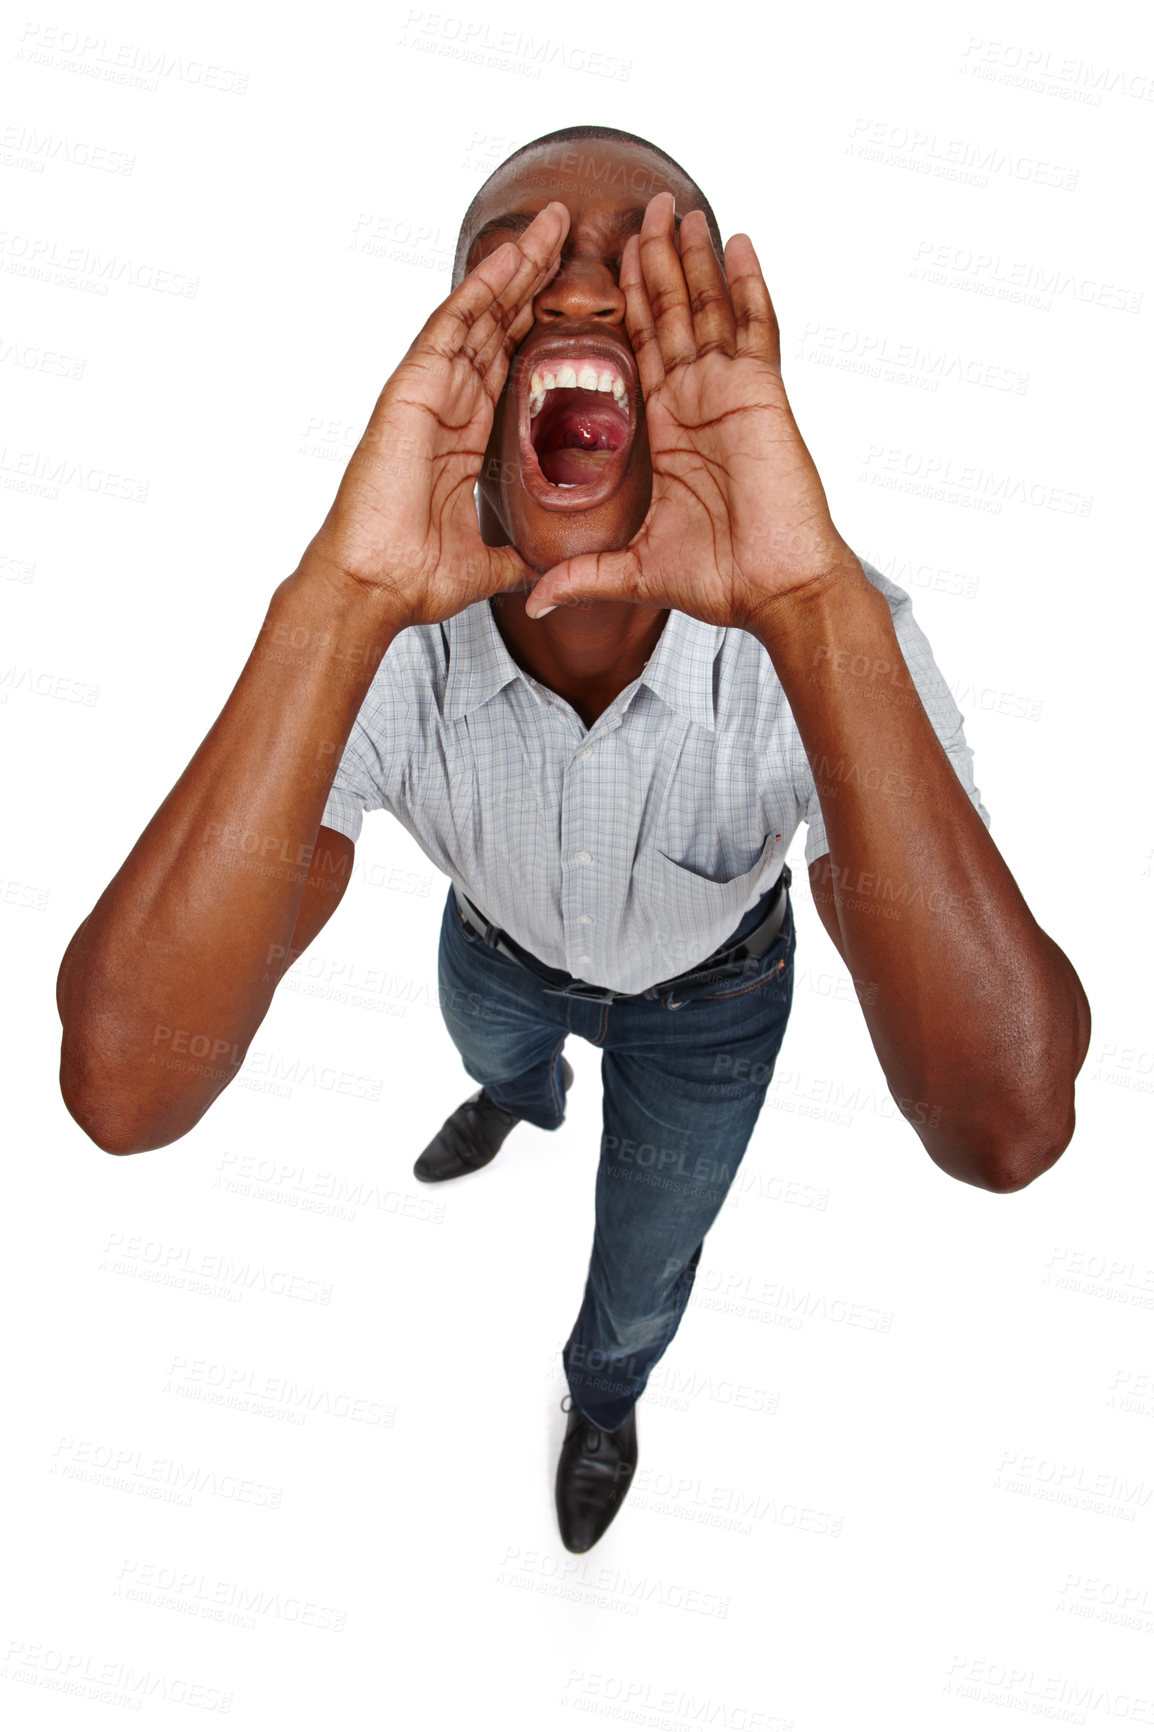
[[738, 520]]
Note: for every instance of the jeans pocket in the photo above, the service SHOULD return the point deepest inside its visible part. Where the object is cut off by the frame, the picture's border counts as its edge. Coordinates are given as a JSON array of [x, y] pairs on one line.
[[464, 929], [771, 967]]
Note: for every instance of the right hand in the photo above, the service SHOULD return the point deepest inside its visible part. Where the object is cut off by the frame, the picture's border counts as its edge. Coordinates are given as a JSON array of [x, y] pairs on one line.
[[404, 521]]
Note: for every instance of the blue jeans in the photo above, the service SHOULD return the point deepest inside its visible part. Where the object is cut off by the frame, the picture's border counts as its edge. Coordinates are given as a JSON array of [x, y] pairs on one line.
[[684, 1073]]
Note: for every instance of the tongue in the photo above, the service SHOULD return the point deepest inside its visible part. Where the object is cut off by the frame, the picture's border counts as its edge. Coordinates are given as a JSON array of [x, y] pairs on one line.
[[573, 467]]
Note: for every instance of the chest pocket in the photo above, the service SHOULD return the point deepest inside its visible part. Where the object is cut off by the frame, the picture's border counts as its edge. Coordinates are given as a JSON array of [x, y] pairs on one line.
[[690, 914]]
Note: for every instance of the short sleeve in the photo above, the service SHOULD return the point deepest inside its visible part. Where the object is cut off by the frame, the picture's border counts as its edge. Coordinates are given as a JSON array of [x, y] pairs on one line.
[[361, 783], [945, 717], [344, 811]]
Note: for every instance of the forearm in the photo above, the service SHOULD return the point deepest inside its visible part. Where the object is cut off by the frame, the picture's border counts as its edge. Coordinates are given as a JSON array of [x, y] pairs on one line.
[[977, 1017], [172, 966]]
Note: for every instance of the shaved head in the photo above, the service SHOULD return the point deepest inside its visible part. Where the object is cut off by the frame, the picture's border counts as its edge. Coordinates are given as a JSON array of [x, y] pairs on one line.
[[563, 148]]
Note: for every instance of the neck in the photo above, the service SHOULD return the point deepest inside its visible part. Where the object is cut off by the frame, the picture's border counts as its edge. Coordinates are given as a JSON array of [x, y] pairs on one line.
[[586, 649]]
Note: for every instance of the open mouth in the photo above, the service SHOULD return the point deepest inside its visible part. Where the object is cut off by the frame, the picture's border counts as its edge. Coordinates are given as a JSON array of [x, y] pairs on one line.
[[577, 423]]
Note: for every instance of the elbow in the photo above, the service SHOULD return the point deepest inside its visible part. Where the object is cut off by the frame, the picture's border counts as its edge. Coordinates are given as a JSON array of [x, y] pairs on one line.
[[116, 1118], [999, 1156], [111, 1129], [1035, 1149], [1012, 1165]]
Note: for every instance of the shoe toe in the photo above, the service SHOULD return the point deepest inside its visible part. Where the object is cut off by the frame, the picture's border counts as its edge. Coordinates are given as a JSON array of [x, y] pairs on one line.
[[593, 1476]]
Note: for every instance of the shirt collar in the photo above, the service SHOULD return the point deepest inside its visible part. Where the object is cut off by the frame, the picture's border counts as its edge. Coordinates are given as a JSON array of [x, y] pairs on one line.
[[479, 664], [680, 670]]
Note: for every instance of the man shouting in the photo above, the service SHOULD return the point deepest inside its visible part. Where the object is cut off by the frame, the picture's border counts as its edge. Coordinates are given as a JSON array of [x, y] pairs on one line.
[[580, 618]]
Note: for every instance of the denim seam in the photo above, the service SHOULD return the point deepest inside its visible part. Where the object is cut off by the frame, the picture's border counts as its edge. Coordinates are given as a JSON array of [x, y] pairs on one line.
[[752, 987], [557, 1104]]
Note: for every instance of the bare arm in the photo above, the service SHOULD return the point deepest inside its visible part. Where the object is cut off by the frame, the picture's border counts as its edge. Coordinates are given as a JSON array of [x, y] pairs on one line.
[[167, 981], [978, 1018], [165, 984]]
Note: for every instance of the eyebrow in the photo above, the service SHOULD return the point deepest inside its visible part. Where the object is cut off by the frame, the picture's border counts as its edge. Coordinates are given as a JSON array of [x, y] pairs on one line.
[[619, 223]]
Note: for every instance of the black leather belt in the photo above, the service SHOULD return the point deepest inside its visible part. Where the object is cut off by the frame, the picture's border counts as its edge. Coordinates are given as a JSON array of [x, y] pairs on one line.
[[722, 965]]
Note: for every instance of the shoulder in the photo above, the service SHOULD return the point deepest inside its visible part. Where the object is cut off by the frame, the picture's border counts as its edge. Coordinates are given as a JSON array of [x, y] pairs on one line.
[[898, 598], [416, 663]]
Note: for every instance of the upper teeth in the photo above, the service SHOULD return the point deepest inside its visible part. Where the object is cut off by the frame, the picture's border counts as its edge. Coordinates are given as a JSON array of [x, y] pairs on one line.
[[570, 375]]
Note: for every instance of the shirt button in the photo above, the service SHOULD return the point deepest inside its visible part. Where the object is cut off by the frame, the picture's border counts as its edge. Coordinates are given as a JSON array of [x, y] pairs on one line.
[[584, 961], [583, 757], [585, 919], [583, 859]]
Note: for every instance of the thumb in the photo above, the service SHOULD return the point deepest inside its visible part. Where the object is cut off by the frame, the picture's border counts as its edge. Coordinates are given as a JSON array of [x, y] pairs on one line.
[[506, 571], [587, 577]]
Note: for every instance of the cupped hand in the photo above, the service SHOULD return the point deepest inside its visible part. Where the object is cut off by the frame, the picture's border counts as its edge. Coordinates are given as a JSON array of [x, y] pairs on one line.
[[738, 519], [404, 521]]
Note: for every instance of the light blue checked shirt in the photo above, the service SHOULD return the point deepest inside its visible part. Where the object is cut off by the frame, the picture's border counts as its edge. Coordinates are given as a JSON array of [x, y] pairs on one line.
[[623, 853]]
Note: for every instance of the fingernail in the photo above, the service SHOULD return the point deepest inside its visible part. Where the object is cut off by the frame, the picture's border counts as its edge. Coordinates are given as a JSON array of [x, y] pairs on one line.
[[544, 611]]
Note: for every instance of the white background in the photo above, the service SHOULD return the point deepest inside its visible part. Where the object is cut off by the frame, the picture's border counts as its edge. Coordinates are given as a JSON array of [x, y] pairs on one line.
[[938, 1515]]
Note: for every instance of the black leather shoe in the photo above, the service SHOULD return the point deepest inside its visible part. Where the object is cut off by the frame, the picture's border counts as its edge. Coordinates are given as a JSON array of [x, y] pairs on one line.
[[470, 1137], [595, 1472]]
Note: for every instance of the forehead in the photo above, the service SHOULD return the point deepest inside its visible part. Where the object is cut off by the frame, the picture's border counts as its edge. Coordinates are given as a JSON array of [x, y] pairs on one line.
[[586, 175]]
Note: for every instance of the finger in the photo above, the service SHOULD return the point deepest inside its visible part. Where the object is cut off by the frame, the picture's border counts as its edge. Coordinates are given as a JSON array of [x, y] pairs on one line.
[[493, 359], [665, 283], [639, 321], [477, 318], [507, 571], [757, 332], [588, 577], [714, 325], [491, 351], [491, 345]]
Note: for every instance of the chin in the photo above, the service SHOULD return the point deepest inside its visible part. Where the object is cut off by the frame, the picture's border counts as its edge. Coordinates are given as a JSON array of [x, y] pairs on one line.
[[544, 545]]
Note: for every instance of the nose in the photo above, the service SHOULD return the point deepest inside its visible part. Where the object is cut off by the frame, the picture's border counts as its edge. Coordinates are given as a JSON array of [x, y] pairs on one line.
[[584, 288]]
